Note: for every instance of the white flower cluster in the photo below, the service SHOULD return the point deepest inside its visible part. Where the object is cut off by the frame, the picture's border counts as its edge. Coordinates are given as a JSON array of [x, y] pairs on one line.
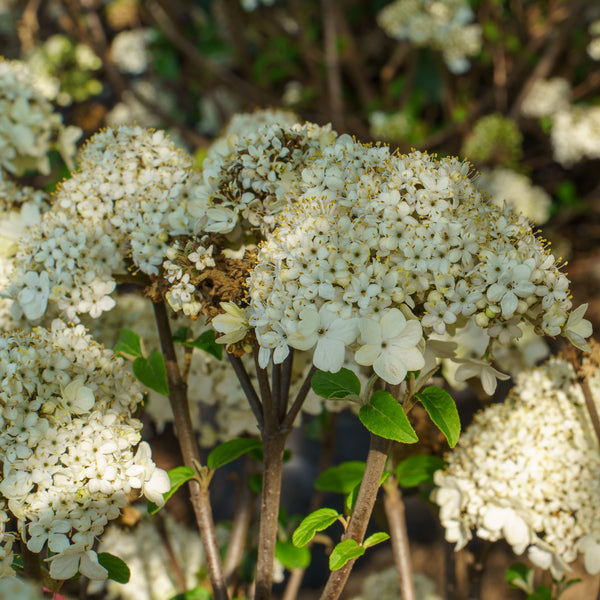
[[528, 471], [66, 443], [576, 134], [129, 51], [29, 127], [444, 25], [546, 98], [12, 588], [145, 551], [115, 214], [383, 250], [593, 47], [517, 190], [385, 586], [394, 127]]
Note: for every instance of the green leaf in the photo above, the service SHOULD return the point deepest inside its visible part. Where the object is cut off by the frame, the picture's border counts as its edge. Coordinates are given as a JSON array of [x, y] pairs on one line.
[[335, 386], [117, 569], [342, 478], [316, 521], [542, 592], [198, 593], [376, 538], [385, 417], [205, 341], [343, 552], [418, 469], [129, 344], [228, 451], [181, 334], [442, 409], [292, 557], [177, 476], [520, 576], [152, 372], [350, 499]]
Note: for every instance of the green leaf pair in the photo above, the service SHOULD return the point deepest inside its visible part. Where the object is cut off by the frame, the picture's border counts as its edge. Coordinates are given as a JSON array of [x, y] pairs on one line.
[[350, 549]]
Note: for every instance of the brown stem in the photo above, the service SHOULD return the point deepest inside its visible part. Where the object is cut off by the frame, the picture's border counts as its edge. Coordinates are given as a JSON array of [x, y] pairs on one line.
[[590, 405], [361, 514], [450, 571], [31, 563], [394, 510], [286, 379], [244, 502], [288, 422], [174, 565], [273, 447], [189, 450], [249, 391], [293, 584], [332, 60]]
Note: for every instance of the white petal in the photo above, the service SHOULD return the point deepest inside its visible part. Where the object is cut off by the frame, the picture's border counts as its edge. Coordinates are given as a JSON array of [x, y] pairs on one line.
[[329, 355], [392, 323]]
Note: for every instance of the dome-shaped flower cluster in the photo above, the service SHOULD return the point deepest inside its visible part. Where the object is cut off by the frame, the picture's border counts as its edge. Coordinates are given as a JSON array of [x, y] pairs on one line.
[[528, 471], [115, 214], [29, 127], [443, 25], [382, 250], [67, 441]]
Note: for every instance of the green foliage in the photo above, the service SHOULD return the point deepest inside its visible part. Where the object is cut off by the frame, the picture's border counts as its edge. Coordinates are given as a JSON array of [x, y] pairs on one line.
[[342, 385], [129, 345], [385, 417], [177, 476], [205, 341], [375, 539], [521, 576], [342, 478], [418, 469], [316, 521], [152, 372], [198, 593], [344, 552], [291, 556], [117, 569], [442, 409], [228, 451]]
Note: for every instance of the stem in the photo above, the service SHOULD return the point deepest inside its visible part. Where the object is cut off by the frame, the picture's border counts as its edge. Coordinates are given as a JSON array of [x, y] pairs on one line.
[[394, 510], [361, 514], [286, 379], [590, 405], [174, 565], [289, 419], [251, 395], [273, 446], [189, 449], [293, 584], [31, 563], [450, 570], [332, 60]]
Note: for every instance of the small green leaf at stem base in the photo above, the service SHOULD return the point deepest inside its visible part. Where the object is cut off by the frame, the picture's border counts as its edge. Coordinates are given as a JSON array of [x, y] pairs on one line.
[[228, 451], [341, 479], [520, 576], [418, 469], [205, 341], [344, 552], [290, 556], [117, 569], [375, 539], [316, 521], [152, 372], [198, 593], [177, 476], [441, 407], [129, 344], [336, 386], [385, 417]]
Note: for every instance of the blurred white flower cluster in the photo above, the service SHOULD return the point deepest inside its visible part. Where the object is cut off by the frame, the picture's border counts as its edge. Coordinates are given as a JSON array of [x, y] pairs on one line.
[[515, 189], [528, 471], [129, 51], [250, 5], [393, 127], [67, 443], [12, 588], [385, 586], [29, 127], [114, 214], [444, 25], [149, 555], [575, 133], [593, 48]]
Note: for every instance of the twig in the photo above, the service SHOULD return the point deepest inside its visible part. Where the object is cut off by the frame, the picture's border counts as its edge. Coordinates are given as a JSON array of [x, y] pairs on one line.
[[286, 379], [289, 419], [332, 60], [199, 495], [174, 565], [361, 514], [394, 510], [450, 571], [590, 404], [251, 395]]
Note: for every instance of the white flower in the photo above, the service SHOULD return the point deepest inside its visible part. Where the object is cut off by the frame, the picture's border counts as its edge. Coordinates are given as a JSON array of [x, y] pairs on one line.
[[144, 474], [390, 345], [577, 328], [233, 324], [77, 397], [76, 559], [481, 369], [33, 298]]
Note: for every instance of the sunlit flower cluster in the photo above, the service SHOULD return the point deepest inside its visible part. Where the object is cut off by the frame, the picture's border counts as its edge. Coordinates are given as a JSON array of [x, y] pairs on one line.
[[67, 443], [495, 139], [528, 471], [517, 190], [444, 25], [576, 134], [29, 127], [113, 216], [150, 557], [381, 251]]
